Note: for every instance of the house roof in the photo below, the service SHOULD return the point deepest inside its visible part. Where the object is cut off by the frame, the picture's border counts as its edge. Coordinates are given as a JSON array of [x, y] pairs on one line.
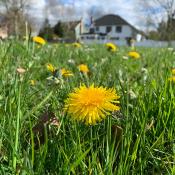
[[112, 19], [70, 25]]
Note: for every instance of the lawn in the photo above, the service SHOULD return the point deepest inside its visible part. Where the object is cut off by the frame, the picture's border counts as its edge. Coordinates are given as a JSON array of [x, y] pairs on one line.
[[38, 136]]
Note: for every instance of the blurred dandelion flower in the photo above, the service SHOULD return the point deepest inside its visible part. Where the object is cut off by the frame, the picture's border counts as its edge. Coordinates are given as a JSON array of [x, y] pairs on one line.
[[91, 104], [50, 68], [39, 40], [77, 45], [173, 71], [111, 47], [134, 54], [32, 82], [66, 73], [83, 68], [172, 79]]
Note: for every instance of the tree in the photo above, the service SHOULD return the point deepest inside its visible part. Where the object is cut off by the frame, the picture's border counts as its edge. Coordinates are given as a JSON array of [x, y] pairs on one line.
[[14, 13], [46, 30], [58, 29], [166, 10]]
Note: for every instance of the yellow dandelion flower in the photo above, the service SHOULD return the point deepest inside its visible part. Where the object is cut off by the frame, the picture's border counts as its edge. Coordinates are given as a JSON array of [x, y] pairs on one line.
[[83, 68], [172, 79], [77, 45], [66, 73], [173, 71], [134, 54], [39, 40], [50, 68], [91, 104], [32, 82], [111, 47]]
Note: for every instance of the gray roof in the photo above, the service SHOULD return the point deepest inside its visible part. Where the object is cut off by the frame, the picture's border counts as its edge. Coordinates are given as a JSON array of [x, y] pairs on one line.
[[71, 24], [111, 19]]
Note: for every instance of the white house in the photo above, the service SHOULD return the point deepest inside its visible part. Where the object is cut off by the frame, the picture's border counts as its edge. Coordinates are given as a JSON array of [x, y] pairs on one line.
[[112, 28]]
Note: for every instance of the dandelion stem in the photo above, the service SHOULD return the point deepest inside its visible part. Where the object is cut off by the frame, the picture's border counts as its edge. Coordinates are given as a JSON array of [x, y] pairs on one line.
[[17, 128]]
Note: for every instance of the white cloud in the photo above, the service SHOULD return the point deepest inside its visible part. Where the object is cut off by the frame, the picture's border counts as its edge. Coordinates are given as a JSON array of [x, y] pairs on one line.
[[75, 9]]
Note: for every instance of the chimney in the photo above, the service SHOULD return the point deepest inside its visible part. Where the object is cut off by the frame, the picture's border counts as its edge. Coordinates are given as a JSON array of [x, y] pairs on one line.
[[91, 22], [81, 25]]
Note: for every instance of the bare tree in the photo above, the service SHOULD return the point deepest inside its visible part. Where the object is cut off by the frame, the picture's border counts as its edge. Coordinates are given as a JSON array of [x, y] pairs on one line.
[[164, 6], [162, 14], [14, 13]]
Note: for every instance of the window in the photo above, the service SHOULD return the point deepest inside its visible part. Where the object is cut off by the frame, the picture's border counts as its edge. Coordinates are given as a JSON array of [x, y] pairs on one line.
[[91, 30], [108, 29], [118, 29], [97, 29], [91, 37], [114, 38]]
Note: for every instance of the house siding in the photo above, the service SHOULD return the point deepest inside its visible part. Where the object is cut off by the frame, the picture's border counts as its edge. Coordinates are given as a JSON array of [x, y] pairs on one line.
[[127, 31]]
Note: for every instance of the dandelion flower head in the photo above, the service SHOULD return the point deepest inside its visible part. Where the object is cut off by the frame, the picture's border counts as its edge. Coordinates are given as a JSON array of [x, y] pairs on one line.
[[173, 71], [91, 104], [66, 73], [76, 45], [39, 40], [50, 68], [134, 54], [172, 79], [111, 47], [32, 82], [83, 68]]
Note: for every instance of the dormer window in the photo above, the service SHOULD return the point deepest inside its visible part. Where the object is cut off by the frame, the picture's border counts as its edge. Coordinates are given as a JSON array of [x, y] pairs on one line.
[[118, 29], [108, 29]]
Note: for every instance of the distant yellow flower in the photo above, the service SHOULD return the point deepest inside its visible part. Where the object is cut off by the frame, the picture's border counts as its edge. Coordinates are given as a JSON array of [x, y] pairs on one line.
[[111, 47], [91, 104], [134, 54], [172, 79], [83, 68], [173, 71], [66, 73], [77, 45], [32, 82], [39, 40], [38, 46], [50, 68]]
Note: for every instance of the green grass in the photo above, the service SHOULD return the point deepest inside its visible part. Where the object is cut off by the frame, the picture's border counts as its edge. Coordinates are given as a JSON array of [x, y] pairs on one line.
[[146, 144]]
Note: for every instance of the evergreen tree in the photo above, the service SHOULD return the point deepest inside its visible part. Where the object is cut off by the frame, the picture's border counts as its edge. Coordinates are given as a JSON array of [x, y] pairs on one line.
[[58, 29], [46, 31]]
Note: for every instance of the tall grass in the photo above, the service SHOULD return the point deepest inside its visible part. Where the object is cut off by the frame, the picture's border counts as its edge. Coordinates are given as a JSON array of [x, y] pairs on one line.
[[140, 139]]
